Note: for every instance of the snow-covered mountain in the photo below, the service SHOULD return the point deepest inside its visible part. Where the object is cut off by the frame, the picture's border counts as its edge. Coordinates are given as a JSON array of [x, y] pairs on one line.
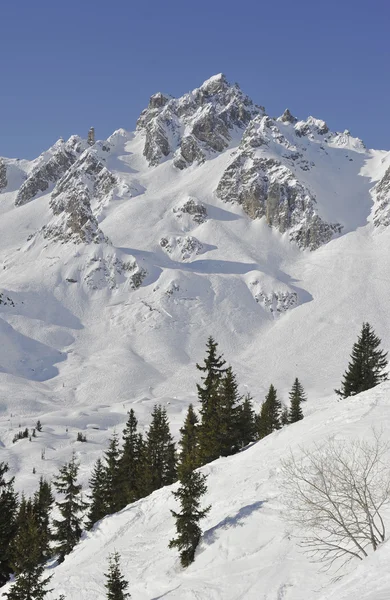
[[121, 257]]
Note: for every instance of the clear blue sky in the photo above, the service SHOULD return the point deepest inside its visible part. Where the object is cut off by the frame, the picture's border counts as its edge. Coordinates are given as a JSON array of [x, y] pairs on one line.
[[67, 65]]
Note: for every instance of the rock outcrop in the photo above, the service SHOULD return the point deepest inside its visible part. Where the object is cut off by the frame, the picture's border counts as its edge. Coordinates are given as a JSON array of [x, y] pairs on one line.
[[3, 175], [110, 271], [196, 125], [265, 187], [88, 179], [181, 248], [382, 195], [194, 208], [51, 166]]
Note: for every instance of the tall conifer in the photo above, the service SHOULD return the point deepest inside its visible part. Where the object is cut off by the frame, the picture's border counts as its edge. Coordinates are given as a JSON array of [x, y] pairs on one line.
[[98, 506], [270, 413], [8, 513], [116, 585], [297, 396], [367, 365], [189, 443], [160, 451]]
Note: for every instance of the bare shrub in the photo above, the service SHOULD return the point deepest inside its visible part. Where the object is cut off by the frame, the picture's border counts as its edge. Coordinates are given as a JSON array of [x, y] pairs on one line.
[[335, 494]]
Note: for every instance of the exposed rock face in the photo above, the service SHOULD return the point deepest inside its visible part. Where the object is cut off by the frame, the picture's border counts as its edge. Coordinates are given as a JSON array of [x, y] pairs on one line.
[[192, 207], [310, 126], [207, 115], [71, 199], [3, 175], [287, 117], [265, 187], [52, 165], [276, 301], [382, 193], [111, 271], [181, 248]]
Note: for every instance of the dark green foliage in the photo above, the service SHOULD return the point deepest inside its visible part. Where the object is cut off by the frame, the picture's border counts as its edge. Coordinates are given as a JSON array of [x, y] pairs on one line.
[[192, 488], [297, 396], [68, 529], [21, 435], [8, 525], [114, 492], [38, 426], [81, 437], [270, 413], [116, 585], [247, 422], [97, 483], [26, 553], [189, 444], [284, 416], [160, 452], [208, 394], [131, 461], [42, 504], [367, 365], [228, 434]]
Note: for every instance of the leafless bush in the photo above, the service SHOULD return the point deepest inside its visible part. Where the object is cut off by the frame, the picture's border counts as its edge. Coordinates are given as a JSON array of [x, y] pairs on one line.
[[335, 495]]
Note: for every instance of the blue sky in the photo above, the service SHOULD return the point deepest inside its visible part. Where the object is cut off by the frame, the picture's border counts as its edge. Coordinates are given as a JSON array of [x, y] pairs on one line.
[[69, 65]]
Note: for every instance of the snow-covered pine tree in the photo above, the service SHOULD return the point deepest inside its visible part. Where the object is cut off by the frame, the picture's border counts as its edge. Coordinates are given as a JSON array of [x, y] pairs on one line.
[[247, 422], [270, 413], [26, 558], [42, 504], [367, 365], [189, 443], [208, 394], [160, 452], [116, 585], [8, 512], [297, 396], [192, 488], [114, 486], [97, 483], [130, 459], [229, 413], [68, 529]]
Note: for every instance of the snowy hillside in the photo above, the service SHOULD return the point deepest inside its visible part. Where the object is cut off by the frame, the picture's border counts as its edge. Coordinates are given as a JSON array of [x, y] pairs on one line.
[[120, 258]]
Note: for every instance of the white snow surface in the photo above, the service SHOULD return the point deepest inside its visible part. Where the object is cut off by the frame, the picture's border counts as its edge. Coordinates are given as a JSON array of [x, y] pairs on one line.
[[78, 355]]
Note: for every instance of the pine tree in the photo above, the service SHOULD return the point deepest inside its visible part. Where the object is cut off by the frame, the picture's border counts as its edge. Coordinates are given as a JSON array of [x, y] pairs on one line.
[[97, 483], [68, 530], [189, 443], [42, 504], [229, 412], [8, 525], [208, 394], [297, 396], [367, 365], [269, 419], [160, 451], [130, 459], [114, 492], [26, 553], [116, 585], [246, 422], [192, 488]]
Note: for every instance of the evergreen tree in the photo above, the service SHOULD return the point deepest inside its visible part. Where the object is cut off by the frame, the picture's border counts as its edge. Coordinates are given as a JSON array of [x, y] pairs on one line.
[[284, 416], [97, 483], [367, 365], [192, 488], [114, 492], [116, 585], [228, 434], [160, 452], [42, 504], [26, 553], [68, 530], [208, 393], [130, 462], [297, 396], [8, 513], [189, 443], [269, 419], [246, 422]]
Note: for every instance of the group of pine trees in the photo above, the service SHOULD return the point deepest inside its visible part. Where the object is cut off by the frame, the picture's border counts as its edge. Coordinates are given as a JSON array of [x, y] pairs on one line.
[[141, 464]]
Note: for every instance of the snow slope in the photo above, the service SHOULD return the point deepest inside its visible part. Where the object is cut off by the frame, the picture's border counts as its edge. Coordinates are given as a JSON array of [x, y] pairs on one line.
[[117, 271]]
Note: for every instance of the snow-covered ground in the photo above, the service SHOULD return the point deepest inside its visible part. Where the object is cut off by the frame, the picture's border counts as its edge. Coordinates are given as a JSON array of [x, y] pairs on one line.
[[81, 344]]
